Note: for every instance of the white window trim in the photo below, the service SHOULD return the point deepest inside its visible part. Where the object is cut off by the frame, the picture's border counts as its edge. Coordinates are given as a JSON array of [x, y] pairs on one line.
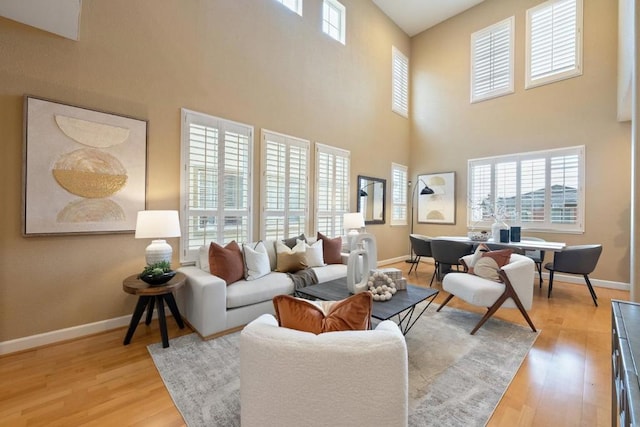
[[335, 4], [402, 187], [336, 211], [189, 116], [553, 76], [297, 8], [508, 24], [576, 228], [289, 141], [399, 82]]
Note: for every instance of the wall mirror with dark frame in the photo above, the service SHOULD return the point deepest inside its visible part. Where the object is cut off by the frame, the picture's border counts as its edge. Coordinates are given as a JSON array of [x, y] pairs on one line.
[[371, 199]]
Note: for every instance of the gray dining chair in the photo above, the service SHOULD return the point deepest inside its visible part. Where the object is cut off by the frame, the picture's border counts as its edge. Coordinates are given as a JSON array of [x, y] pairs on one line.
[[447, 253], [421, 246], [580, 259], [536, 255]]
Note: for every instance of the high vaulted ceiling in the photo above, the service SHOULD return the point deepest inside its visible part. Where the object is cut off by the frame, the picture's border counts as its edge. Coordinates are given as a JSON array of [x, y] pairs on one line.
[[62, 17], [415, 16]]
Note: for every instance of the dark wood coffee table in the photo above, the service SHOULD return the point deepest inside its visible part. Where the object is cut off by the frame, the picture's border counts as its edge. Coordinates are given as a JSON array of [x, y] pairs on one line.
[[402, 304]]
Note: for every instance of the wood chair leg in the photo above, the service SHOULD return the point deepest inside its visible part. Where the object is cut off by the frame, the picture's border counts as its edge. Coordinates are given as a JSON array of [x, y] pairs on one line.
[[445, 302], [593, 292], [509, 292]]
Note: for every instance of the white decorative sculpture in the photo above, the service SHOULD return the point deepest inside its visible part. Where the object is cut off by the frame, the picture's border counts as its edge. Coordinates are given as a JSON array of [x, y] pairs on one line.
[[368, 242], [357, 271]]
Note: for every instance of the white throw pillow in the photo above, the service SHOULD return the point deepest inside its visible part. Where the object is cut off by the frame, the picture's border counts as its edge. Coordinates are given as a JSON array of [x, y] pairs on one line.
[[256, 261], [314, 254], [282, 248]]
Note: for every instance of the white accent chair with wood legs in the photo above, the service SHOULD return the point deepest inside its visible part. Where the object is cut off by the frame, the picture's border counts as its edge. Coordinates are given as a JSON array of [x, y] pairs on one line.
[[515, 291]]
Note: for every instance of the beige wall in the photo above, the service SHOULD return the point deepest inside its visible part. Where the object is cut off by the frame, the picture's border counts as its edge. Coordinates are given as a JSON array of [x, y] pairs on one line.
[[244, 60], [447, 130]]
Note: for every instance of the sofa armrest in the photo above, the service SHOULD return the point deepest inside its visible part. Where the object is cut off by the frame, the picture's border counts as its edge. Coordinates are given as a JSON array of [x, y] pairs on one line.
[[204, 300]]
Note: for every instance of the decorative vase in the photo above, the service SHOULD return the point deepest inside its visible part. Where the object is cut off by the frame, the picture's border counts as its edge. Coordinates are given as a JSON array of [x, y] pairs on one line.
[[495, 229], [358, 271]]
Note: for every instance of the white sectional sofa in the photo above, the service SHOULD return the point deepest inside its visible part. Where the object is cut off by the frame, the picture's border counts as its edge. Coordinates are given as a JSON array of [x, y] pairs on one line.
[[212, 307]]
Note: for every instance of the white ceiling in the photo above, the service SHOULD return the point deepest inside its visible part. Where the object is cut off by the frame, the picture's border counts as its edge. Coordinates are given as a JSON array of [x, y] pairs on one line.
[[61, 17], [415, 16]]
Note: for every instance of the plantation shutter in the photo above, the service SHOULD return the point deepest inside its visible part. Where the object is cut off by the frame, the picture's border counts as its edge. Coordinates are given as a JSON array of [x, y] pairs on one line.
[[492, 61], [216, 182], [540, 190], [400, 82], [285, 185], [399, 182], [332, 189], [554, 41]]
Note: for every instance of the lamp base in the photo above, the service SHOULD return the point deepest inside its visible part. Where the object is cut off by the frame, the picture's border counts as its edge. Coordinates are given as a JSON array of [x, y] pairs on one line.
[[157, 251]]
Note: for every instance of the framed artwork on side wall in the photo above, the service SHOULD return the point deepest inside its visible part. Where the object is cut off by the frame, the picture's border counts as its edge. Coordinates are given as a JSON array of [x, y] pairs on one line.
[[437, 205], [84, 171]]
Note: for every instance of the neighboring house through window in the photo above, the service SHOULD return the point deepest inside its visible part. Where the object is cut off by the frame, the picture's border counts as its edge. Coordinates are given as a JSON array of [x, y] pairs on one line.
[[492, 61], [399, 187], [285, 186], [332, 189], [334, 20], [399, 82], [215, 181], [542, 190], [553, 42]]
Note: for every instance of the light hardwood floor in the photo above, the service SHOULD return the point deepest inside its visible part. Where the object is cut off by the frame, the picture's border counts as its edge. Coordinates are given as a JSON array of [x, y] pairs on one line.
[[96, 381]]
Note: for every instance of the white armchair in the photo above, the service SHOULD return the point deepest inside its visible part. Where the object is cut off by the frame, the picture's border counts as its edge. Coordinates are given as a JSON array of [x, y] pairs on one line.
[[516, 289], [347, 378]]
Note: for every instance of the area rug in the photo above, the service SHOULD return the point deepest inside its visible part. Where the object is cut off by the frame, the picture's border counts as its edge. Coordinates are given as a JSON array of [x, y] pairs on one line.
[[455, 379]]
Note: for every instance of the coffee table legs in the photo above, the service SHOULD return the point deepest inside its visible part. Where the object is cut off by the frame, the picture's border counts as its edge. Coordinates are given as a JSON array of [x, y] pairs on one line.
[[148, 302], [408, 316]]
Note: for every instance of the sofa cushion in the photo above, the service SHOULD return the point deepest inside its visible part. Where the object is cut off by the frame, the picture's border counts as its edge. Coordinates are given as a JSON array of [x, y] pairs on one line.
[[226, 262], [256, 261], [331, 249], [290, 260], [292, 241], [243, 292], [349, 314], [330, 272], [314, 255]]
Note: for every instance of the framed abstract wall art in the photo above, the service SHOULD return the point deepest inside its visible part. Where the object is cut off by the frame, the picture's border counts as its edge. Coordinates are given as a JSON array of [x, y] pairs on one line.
[[84, 171], [439, 205]]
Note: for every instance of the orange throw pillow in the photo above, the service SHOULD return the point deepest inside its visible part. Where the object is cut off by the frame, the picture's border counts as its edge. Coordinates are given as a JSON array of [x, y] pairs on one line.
[[331, 249], [349, 314], [226, 262]]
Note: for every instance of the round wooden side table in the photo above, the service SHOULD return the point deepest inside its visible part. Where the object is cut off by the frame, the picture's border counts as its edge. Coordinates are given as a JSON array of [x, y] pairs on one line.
[[150, 296]]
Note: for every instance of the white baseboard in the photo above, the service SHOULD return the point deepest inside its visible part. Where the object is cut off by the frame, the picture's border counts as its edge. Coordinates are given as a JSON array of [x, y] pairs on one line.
[[60, 335], [567, 278]]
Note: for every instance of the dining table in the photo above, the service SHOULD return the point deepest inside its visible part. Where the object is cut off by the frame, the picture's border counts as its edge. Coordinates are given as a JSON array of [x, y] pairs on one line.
[[533, 245]]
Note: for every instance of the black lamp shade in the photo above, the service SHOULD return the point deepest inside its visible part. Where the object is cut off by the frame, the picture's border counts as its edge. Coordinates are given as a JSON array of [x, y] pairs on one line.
[[426, 190]]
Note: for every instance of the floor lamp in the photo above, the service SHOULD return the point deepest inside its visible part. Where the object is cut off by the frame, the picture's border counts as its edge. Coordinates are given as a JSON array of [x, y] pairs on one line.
[[426, 190]]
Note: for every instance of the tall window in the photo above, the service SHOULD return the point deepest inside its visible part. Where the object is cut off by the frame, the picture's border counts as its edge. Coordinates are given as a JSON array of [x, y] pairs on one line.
[[553, 42], [399, 82], [399, 182], [285, 185], [295, 5], [215, 181], [332, 188], [492, 61], [542, 190], [334, 18]]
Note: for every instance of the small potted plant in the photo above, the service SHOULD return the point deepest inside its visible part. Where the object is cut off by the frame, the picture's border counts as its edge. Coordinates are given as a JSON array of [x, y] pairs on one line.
[[157, 273]]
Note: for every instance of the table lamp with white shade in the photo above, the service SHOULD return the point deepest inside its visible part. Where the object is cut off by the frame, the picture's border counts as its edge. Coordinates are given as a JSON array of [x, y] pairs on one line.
[[157, 225], [352, 223]]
